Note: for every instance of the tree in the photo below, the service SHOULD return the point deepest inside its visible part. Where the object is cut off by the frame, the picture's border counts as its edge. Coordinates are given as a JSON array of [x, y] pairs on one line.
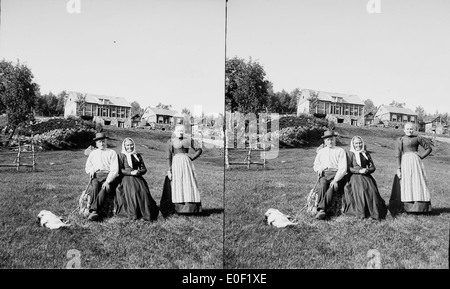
[[420, 112], [295, 95], [136, 108], [62, 98], [81, 103], [246, 88], [186, 111], [313, 100], [164, 106], [17, 94], [369, 106], [397, 104]]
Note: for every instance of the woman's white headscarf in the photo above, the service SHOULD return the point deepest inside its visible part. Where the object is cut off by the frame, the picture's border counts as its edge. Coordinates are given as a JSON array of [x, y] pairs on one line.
[[358, 153], [129, 154]]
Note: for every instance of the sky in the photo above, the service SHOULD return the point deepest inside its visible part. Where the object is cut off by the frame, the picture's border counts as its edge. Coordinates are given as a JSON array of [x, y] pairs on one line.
[[149, 51], [401, 53]]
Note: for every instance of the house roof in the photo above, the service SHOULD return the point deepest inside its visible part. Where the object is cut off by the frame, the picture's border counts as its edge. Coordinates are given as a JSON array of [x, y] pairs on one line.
[[99, 99], [160, 111], [331, 96], [402, 110]]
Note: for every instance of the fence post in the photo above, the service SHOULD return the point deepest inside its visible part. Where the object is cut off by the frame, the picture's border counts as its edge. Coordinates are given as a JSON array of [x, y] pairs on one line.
[[18, 155]]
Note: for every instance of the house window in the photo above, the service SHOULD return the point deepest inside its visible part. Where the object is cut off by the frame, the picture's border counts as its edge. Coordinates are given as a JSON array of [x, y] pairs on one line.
[[113, 111], [411, 118], [394, 117], [405, 118]]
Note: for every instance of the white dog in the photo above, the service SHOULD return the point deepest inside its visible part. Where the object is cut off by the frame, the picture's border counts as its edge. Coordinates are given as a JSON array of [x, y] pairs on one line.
[[276, 218], [50, 220]]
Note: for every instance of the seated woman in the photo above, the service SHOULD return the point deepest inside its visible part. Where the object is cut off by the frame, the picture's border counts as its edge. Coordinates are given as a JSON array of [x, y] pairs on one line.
[[185, 194], [133, 199], [362, 198]]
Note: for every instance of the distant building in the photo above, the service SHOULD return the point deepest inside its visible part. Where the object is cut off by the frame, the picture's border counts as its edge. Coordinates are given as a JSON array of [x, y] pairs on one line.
[[369, 118], [153, 115], [106, 110], [394, 116], [337, 107], [435, 125]]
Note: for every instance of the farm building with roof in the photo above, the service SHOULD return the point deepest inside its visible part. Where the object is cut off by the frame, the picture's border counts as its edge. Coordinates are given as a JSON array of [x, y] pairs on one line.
[[106, 110], [337, 107]]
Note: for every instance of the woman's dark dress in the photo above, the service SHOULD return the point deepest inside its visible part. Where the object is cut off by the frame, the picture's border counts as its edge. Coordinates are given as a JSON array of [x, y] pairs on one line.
[[133, 199], [362, 198]]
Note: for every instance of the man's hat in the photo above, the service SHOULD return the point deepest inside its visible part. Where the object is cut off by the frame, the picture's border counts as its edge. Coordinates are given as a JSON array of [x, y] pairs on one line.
[[329, 133], [100, 135]]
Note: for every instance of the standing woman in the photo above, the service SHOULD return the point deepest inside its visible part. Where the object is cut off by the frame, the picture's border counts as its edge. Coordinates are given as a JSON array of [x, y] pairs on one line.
[[362, 197], [184, 187], [414, 194], [133, 195]]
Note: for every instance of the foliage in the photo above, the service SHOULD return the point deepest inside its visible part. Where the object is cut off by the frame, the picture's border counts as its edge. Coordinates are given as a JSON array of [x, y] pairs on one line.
[[282, 102], [369, 106], [186, 111], [17, 93], [301, 130], [50, 104], [314, 100], [81, 103], [397, 104], [164, 106], [63, 133], [136, 108], [246, 88]]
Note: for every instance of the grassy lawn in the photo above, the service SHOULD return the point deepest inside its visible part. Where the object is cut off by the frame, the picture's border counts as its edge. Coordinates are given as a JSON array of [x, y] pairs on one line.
[[177, 242], [408, 241]]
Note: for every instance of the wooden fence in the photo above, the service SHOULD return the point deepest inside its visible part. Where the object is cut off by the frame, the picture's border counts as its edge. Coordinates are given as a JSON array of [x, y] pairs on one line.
[[22, 153]]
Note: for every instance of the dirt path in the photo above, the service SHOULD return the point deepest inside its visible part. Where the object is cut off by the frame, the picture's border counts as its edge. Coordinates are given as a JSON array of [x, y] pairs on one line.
[[443, 139]]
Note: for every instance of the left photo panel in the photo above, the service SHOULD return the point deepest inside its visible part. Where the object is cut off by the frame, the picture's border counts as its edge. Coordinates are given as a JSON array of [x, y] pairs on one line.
[[111, 142]]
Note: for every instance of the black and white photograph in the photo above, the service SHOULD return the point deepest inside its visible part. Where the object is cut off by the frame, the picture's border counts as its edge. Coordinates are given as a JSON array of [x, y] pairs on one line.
[[232, 135], [357, 95], [111, 113]]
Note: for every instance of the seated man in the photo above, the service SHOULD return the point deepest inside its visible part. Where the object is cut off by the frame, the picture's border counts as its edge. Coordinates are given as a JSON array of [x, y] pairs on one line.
[[331, 165], [102, 166]]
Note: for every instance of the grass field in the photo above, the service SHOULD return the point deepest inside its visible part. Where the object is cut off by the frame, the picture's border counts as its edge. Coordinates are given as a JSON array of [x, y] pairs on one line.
[[407, 241], [176, 242]]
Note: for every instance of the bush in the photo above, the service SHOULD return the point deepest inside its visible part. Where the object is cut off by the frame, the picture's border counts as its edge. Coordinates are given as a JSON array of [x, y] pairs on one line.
[[57, 134], [301, 130]]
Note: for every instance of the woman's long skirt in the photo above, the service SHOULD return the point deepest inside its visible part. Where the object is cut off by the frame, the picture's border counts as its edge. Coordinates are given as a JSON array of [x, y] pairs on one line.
[[413, 185], [133, 199], [185, 193], [362, 198]]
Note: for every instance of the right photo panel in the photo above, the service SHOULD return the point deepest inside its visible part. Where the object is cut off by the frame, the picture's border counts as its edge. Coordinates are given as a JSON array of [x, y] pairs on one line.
[[337, 143]]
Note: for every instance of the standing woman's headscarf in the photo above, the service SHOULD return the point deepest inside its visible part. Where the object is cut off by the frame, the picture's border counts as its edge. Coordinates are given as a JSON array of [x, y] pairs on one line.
[[129, 154], [360, 152]]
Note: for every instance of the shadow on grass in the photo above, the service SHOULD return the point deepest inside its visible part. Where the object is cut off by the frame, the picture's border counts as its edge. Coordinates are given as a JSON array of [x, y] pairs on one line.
[[438, 211], [212, 211]]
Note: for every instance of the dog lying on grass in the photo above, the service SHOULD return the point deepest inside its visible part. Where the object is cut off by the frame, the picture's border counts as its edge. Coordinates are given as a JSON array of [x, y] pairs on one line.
[[50, 220], [276, 218]]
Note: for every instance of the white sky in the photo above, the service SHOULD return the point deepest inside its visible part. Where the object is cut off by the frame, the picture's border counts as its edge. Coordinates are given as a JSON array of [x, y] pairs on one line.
[[148, 51], [401, 54]]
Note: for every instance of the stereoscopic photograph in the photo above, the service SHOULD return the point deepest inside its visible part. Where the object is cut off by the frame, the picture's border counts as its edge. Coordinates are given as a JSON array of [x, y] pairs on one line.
[[224, 134], [110, 154]]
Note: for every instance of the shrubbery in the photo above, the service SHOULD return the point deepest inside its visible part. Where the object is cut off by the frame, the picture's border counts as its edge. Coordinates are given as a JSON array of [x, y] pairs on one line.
[[63, 133], [296, 131]]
